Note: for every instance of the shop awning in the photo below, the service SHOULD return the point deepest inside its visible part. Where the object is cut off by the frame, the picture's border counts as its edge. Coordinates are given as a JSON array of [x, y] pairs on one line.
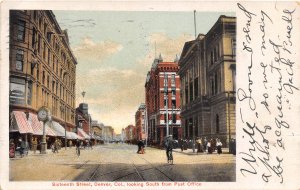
[[50, 131], [83, 134], [72, 135], [19, 123], [37, 126], [59, 130]]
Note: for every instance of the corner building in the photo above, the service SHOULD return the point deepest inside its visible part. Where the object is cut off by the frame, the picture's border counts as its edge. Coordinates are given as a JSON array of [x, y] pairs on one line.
[[163, 101], [207, 75], [42, 68]]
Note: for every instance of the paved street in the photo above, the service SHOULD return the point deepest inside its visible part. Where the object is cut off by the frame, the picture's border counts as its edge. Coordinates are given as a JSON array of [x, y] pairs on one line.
[[119, 162]]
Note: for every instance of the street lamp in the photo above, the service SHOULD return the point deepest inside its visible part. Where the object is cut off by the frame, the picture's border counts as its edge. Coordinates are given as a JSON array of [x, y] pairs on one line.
[[193, 141], [63, 110]]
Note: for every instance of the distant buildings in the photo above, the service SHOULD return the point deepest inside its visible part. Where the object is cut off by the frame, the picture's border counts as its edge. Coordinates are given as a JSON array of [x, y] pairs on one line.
[[207, 76], [162, 89], [130, 133], [140, 122], [108, 133], [97, 129]]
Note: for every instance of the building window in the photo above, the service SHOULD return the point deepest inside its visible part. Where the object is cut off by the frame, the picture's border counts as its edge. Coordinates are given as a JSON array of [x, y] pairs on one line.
[[217, 124], [165, 80], [215, 54], [29, 93], [38, 72], [173, 104], [39, 43], [44, 53], [233, 46], [186, 94], [17, 91], [33, 38], [19, 60], [173, 80], [43, 79], [21, 30], [174, 118], [191, 91], [49, 36], [173, 91], [48, 81], [216, 83], [211, 58], [49, 56], [196, 87]]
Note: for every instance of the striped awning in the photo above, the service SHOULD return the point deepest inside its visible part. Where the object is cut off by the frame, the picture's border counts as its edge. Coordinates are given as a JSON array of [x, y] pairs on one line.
[[37, 126], [20, 123], [83, 134], [49, 130]]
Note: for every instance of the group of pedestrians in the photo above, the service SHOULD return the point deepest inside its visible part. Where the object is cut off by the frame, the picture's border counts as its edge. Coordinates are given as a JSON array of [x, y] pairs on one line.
[[202, 145], [22, 147]]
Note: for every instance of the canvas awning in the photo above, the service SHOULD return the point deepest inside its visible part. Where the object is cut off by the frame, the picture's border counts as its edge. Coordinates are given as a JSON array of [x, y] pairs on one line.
[[19, 123], [83, 134], [72, 135], [37, 126], [59, 130]]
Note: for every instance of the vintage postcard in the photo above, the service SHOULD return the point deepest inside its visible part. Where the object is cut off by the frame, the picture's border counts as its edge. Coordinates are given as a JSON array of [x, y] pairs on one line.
[[149, 95]]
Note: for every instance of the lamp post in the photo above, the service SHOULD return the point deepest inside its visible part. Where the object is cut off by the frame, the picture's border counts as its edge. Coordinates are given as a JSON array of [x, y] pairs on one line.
[[63, 110], [193, 131]]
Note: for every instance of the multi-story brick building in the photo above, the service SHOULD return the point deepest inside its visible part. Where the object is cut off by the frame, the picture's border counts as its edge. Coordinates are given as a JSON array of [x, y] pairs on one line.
[[83, 120], [140, 122], [130, 133], [163, 100], [207, 75], [42, 67]]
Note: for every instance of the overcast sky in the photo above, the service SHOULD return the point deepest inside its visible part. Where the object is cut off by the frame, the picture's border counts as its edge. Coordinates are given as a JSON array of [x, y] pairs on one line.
[[115, 51]]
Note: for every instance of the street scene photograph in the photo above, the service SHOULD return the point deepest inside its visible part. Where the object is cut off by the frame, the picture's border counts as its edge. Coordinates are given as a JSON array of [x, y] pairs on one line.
[[122, 96]]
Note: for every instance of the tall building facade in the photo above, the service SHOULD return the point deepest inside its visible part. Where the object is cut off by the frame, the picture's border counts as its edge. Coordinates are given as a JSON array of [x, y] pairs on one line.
[[207, 75], [163, 101], [140, 122], [130, 133], [42, 66]]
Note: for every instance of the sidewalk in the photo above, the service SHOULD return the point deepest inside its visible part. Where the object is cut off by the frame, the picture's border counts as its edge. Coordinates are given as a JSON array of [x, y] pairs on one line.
[[190, 151]]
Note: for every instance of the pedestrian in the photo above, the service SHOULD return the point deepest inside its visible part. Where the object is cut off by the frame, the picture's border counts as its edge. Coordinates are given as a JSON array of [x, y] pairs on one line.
[[193, 145], [169, 148], [34, 144], [185, 144], [91, 144], [78, 147], [12, 148], [141, 147], [139, 144], [219, 146], [55, 146], [205, 144], [209, 149], [181, 144], [22, 147], [199, 145]]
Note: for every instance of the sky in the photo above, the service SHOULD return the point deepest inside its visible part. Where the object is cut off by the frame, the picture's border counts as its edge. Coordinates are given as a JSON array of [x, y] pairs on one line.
[[115, 50]]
